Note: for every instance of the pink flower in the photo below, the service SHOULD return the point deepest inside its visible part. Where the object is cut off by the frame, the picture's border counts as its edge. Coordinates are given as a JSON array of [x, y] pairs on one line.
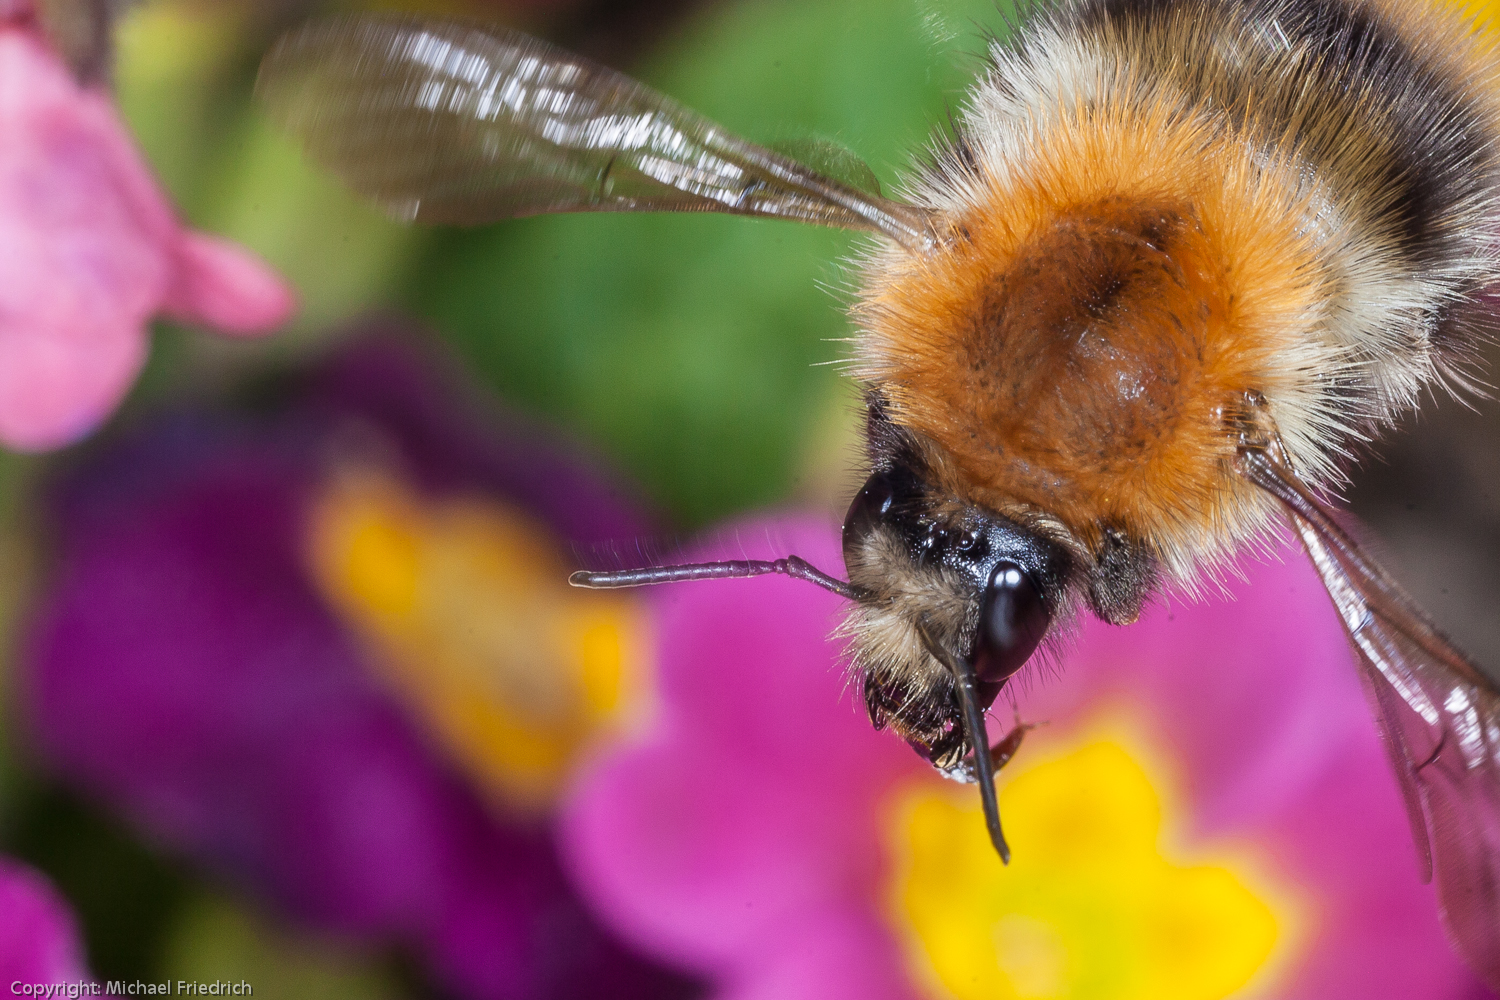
[[90, 250], [1204, 809], [38, 939]]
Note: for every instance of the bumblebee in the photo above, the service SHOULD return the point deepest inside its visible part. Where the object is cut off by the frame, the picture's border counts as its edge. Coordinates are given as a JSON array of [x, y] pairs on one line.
[[1175, 261]]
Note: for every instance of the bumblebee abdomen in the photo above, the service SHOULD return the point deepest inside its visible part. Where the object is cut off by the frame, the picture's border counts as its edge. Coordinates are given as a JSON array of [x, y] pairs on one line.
[[1390, 105]]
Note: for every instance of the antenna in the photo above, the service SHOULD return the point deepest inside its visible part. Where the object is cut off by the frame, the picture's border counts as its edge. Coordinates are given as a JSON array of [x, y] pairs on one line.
[[733, 569]]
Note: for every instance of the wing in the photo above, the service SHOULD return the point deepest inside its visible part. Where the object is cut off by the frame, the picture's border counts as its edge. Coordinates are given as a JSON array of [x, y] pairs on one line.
[[1438, 714], [445, 122]]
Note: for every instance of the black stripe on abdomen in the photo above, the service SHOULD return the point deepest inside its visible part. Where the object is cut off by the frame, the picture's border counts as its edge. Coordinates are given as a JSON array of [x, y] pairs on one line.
[[1433, 152]]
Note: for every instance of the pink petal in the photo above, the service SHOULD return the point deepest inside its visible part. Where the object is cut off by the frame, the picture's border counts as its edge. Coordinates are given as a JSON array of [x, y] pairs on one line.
[[38, 940], [89, 250], [838, 954], [1346, 843], [57, 385], [80, 261], [220, 285]]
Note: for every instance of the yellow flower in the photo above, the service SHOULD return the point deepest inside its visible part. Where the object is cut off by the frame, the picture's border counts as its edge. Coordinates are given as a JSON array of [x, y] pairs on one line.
[[1090, 907], [465, 604]]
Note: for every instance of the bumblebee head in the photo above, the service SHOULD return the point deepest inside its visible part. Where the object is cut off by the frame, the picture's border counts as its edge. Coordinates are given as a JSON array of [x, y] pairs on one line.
[[948, 601], [941, 581]]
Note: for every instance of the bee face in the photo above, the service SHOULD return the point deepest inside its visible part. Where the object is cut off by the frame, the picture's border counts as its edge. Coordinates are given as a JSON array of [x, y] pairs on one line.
[[933, 571]]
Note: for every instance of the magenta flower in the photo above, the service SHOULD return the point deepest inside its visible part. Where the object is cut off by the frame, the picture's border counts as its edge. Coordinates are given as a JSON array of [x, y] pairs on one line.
[[90, 250], [186, 668], [1206, 809], [38, 939]]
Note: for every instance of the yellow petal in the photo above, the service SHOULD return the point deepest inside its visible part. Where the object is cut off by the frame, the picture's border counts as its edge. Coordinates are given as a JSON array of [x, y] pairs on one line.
[[1088, 908], [465, 607]]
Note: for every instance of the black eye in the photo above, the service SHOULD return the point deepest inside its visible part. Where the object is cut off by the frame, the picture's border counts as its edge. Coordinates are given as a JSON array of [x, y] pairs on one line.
[[1012, 620], [872, 506]]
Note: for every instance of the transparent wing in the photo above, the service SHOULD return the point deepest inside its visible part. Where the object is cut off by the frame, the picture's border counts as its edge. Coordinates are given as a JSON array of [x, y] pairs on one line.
[[447, 122], [1439, 716]]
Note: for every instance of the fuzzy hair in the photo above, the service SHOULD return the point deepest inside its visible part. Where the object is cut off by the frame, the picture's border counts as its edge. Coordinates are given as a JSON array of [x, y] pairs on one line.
[[1338, 159]]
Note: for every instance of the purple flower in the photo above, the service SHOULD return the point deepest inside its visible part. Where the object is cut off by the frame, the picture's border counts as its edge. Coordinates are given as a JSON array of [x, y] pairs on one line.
[[187, 666], [1204, 807], [38, 939]]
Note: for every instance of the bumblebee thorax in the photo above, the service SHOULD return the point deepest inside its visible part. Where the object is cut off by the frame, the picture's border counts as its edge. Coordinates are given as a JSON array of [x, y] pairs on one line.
[[1081, 368]]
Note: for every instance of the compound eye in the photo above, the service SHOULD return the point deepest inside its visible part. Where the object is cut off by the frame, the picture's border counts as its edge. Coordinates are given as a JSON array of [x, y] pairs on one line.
[[1012, 621], [870, 507]]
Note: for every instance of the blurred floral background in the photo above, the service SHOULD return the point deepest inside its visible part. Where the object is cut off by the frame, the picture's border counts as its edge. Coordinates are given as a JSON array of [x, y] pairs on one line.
[[295, 692]]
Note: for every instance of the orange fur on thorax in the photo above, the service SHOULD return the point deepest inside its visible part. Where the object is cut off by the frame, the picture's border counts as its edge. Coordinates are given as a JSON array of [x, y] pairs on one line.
[[1087, 374], [1079, 345]]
